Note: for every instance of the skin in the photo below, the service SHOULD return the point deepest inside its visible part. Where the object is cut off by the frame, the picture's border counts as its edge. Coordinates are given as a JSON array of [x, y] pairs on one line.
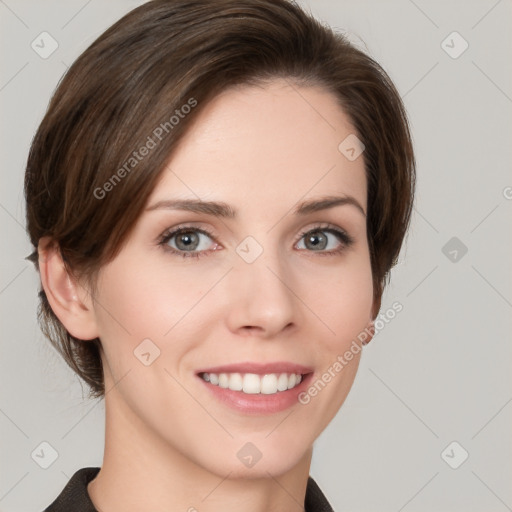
[[168, 444]]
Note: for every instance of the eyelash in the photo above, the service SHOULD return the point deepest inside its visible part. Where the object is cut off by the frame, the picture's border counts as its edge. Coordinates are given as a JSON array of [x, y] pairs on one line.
[[342, 236]]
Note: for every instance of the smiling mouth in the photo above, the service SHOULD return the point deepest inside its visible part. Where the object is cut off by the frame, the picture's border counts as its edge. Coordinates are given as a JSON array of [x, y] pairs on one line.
[[252, 383]]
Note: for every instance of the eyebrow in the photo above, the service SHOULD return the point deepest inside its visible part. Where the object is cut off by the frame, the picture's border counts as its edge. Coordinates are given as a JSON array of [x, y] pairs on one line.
[[221, 209]]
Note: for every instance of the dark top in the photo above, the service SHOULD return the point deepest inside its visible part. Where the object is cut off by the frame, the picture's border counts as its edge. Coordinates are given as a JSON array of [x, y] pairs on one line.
[[75, 498]]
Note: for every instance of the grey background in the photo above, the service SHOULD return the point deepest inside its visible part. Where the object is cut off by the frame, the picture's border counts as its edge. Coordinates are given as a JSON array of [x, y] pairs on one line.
[[438, 372]]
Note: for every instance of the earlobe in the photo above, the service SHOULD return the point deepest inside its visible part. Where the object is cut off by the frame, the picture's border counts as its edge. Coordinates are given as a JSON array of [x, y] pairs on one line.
[[70, 302]]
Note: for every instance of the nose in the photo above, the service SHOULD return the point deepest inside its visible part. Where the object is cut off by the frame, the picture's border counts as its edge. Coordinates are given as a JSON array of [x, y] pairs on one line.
[[261, 301]]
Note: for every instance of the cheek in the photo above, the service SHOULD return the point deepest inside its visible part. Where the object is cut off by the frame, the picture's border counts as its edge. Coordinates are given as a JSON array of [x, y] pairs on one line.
[[341, 297], [143, 300], [139, 301]]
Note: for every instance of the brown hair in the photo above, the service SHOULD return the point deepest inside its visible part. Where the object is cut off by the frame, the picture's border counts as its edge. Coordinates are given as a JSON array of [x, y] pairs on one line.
[[137, 78]]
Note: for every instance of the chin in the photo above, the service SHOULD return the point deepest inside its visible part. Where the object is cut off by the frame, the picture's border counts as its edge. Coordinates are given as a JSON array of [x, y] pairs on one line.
[[250, 462]]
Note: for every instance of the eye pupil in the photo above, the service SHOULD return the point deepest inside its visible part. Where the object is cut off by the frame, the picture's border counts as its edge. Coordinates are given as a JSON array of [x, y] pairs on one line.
[[187, 240], [316, 239]]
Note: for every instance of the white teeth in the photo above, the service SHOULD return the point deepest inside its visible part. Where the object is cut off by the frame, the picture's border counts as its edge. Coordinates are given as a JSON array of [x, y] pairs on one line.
[[282, 382], [252, 383], [269, 384], [235, 382], [223, 380]]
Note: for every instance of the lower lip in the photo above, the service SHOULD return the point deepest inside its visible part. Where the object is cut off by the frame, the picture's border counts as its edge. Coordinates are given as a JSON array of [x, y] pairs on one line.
[[258, 403]]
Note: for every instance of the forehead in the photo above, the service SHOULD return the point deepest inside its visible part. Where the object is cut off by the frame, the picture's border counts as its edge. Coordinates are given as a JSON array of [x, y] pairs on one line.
[[264, 145]]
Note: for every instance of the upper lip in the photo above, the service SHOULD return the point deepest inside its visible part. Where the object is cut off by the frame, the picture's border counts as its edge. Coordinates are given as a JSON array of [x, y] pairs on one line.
[[259, 368]]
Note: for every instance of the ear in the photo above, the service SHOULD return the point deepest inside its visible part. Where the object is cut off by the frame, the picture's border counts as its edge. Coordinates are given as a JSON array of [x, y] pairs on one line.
[[69, 300]]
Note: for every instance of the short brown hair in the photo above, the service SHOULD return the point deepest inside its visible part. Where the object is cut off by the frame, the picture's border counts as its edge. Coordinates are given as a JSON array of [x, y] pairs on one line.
[[142, 71]]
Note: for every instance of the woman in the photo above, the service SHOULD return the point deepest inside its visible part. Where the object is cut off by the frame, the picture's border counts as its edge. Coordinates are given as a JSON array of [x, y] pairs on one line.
[[216, 196]]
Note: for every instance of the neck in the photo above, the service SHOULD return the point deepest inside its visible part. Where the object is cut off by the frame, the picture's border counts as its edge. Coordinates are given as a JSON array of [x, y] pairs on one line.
[[141, 471]]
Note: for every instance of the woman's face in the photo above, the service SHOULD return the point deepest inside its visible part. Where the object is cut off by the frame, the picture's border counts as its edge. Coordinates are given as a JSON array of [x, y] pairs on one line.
[[265, 285]]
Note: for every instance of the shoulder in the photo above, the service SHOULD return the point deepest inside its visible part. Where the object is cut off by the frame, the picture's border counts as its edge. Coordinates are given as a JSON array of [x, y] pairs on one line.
[[74, 496], [315, 499]]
